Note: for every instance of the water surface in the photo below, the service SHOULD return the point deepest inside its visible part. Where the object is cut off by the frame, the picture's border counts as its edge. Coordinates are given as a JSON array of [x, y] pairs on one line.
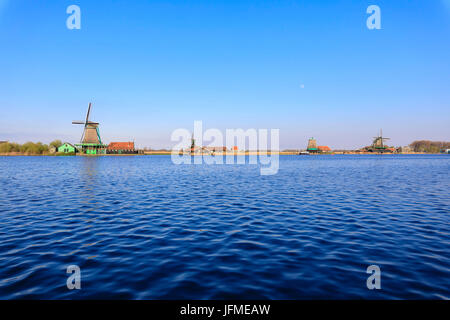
[[140, 227]]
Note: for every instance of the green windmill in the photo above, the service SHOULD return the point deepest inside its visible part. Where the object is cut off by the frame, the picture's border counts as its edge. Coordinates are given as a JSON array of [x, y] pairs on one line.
[[312, 145]]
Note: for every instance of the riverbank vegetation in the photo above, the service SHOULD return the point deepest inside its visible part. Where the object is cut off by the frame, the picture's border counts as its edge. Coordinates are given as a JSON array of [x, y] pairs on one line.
[[429, 146], [29, 148]]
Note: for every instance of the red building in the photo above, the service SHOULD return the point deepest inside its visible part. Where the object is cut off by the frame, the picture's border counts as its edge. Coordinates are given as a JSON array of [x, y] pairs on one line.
[[324, 149], [391, 150], [120, 147]]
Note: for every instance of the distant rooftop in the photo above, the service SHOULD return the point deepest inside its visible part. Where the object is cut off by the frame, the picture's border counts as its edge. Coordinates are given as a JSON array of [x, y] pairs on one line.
[[121, 146]]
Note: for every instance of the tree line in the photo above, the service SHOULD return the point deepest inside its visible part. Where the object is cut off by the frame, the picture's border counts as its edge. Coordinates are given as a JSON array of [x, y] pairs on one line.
[[429, 146], [34, 148]]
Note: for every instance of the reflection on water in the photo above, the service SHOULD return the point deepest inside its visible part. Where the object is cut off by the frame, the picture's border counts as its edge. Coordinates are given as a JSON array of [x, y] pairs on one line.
[[88, 182], [141, 227], [89, 175]]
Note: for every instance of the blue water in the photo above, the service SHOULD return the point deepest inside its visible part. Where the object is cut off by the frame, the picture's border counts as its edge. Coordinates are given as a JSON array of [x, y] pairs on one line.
[[143, 228]]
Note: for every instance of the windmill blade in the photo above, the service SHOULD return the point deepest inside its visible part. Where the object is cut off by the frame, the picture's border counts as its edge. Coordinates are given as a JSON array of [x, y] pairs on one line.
[[82, 137], [94, 123], [89, 111], [77, 122]]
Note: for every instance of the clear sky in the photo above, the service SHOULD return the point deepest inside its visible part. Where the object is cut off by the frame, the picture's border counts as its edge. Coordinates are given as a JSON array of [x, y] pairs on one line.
[[308, 68]]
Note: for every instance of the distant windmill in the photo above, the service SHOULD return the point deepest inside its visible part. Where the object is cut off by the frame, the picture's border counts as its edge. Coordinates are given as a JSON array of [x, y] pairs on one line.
[[312, 145], [378, 142], [192, 143], [90, 142]]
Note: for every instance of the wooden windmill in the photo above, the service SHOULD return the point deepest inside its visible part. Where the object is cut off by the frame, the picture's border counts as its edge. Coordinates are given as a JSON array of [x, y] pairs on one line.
[[90, 141], [378, 142], [312, 145]]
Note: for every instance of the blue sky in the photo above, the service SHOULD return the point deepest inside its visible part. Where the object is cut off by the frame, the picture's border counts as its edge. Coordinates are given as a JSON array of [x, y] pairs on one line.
[[308, 68]]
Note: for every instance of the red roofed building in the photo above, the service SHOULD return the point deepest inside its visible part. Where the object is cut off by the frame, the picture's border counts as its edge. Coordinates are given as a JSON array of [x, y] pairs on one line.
[[324, 149], [121, 147], [391, 150]]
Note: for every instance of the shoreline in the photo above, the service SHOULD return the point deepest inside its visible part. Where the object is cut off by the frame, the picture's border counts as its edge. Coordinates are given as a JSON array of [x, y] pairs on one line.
[[16, 154]]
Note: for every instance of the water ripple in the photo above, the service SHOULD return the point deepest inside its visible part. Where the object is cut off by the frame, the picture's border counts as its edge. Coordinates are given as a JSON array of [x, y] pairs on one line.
[[143, 228]]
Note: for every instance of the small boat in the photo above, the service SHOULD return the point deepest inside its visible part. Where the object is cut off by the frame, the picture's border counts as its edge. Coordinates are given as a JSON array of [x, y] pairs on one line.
[[303, 153]]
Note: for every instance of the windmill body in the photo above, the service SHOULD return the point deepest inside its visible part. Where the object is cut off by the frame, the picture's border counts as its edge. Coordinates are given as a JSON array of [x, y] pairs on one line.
[[312, 145], [90, 142]]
